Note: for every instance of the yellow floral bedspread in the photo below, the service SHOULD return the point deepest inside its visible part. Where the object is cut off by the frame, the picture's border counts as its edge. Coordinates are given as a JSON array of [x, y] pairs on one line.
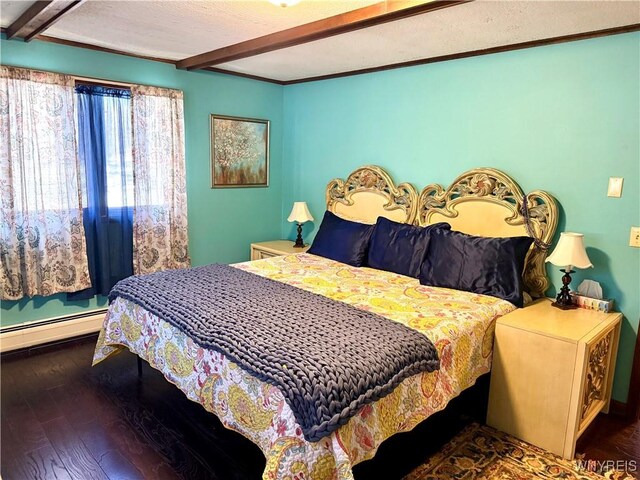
[[460, 324]]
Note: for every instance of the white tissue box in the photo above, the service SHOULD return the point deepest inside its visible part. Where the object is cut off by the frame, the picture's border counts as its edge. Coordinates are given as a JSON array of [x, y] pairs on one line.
[[592, 303]]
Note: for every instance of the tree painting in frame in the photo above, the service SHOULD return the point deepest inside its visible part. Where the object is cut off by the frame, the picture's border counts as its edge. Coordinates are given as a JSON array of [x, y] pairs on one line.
[[239, 152]]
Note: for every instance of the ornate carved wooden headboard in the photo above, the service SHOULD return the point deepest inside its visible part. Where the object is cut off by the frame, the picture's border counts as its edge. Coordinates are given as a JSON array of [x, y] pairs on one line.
[[369, 193], [483, 201], [487, 202]]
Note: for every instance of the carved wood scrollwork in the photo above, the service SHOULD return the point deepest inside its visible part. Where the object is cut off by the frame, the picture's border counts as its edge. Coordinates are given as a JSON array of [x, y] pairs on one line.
[[537, 211], [543, 220], [596, 375], [374, 179]]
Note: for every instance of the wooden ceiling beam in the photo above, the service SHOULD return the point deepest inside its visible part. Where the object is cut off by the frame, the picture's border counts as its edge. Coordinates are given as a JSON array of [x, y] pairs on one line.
[[375, 14], [40, 16]]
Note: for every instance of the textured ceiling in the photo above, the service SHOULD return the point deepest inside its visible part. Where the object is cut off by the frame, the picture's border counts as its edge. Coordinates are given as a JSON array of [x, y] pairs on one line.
[[175, 30], [11, 10], [463, 28]]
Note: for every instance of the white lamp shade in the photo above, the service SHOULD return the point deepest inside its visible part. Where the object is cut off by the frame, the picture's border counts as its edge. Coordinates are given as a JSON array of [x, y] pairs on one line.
[[570, 252], [300, 213]]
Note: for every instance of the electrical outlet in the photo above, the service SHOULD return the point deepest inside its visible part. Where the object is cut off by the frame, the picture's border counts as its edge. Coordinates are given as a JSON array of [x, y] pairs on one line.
[[634, 238]]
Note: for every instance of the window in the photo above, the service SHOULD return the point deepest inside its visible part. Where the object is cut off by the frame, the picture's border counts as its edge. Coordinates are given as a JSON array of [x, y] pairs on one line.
[[119, 160], [69, 183], [105, 151]]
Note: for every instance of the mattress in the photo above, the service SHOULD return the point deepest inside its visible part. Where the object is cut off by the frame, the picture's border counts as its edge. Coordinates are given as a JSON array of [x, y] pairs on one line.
[[460, 324]]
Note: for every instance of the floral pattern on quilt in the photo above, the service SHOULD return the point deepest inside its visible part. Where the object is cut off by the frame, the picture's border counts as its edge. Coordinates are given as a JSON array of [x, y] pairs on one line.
[[460, 324]]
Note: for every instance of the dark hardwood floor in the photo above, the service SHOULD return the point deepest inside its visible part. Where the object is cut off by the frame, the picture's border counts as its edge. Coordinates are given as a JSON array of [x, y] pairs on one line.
[[611, 438], [63, 419]]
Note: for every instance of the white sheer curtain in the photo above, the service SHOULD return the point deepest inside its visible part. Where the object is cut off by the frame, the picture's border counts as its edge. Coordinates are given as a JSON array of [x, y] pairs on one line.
[[160, 197], [42, 243]]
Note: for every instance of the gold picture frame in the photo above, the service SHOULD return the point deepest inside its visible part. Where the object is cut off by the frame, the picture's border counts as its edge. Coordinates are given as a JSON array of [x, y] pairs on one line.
[[239, 152]]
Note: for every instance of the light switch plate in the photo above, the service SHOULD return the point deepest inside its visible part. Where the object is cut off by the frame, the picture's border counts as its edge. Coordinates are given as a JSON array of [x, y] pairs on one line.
[[634, 238], [615, 187]]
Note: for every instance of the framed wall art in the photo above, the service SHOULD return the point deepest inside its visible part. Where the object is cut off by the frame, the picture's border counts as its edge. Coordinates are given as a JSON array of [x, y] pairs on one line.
[[239, 152]]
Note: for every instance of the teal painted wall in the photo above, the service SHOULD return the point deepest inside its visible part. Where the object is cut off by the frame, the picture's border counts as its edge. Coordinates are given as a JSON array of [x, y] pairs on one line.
[[563, 118], [222, 222]]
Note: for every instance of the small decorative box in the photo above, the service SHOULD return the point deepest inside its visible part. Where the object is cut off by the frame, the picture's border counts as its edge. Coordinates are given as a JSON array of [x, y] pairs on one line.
[[592, 303]]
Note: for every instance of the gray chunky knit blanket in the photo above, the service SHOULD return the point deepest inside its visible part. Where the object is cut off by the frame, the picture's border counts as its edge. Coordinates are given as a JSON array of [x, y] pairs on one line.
[[328, 358]]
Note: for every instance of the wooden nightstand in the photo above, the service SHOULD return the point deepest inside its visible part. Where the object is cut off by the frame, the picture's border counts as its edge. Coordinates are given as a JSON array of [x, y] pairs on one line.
[[552, 373], [275, 248]]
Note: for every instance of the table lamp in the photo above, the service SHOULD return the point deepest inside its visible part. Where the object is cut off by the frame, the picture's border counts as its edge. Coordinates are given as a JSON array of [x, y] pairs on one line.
[[569, 252], [300, 214]]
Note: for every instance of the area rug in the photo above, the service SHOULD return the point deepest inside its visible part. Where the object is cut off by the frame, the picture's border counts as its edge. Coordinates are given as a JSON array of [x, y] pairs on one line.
[[483, 453]]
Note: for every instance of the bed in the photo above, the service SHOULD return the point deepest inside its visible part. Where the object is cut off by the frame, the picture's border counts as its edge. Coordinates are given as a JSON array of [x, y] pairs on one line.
[[483, 202]]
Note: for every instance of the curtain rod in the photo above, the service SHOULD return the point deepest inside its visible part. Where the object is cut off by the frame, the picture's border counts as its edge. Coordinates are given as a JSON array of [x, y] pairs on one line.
[[103, 82]]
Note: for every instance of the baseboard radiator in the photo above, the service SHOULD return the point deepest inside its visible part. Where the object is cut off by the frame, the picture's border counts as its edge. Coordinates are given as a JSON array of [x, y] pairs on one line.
[[50, 330]]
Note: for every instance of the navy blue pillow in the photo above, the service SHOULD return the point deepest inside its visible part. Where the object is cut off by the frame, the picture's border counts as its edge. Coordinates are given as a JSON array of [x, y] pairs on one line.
[[491, 266], [342, 240], [399, 247]]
